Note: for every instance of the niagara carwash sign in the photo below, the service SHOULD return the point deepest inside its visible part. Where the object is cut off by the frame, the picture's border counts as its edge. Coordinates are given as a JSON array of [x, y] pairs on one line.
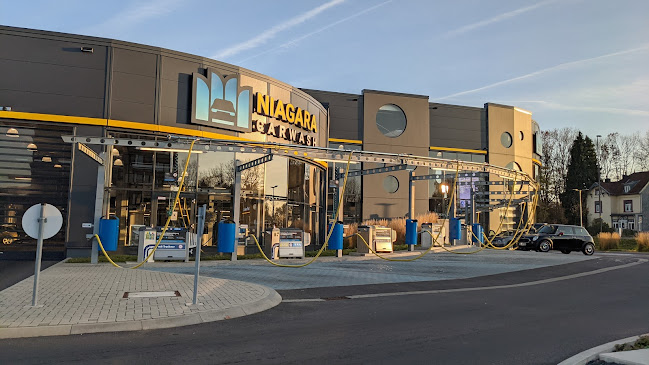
[[220, 101]]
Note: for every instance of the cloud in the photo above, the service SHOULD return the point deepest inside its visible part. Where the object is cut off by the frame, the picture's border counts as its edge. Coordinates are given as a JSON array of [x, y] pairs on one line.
[[272, 32], [496, 19], [301, 38], [134, 15], [549, 69]]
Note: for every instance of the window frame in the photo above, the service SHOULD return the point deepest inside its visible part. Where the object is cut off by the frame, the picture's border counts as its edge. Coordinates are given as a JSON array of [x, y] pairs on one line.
[[630, 204]]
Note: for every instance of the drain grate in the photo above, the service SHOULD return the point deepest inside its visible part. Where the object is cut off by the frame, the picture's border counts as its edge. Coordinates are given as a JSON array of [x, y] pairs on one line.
[[151, 294], [336, 298]]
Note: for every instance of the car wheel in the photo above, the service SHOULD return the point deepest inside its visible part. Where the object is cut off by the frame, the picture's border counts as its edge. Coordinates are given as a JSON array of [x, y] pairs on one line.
[[544, 246], [589, 249], [565, 251], [6, 240]]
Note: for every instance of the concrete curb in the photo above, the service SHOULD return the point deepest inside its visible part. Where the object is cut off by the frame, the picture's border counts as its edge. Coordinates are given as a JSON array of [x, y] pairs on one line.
[[584, 357], [270, 300]]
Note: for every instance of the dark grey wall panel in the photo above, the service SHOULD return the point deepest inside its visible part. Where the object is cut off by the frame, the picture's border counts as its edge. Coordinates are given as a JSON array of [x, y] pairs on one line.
[[51, 79], [175, 68], [132, 112], [133, 98], [83, 191], [56, 52], [175, 90], [133, 62], [345, 113], [32, 102], [133, 88], [457, 126]]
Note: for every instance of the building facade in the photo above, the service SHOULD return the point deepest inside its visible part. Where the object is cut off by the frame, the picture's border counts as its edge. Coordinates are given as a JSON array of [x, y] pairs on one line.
[[391, 122], [56, 84], [622, 204]]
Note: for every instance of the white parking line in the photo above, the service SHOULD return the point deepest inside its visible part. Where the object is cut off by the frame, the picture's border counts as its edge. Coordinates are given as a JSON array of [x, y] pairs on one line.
[[531, 283]]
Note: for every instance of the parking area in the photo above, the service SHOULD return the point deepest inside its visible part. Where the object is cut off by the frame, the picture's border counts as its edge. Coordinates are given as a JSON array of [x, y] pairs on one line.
[[354, 270]]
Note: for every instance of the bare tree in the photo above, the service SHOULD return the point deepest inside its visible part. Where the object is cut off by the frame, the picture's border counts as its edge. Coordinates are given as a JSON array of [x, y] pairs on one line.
[[608, 155], [624, 154], [642, 155], [556, 155]]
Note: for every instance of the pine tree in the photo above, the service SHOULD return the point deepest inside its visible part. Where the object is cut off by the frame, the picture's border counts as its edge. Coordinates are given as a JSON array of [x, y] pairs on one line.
[[582, 173]]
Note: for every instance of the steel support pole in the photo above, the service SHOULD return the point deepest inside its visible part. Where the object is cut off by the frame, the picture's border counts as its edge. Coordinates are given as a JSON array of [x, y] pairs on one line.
[[99, 203], [199, 242], [411, 202], [236, 211], [39, 251]]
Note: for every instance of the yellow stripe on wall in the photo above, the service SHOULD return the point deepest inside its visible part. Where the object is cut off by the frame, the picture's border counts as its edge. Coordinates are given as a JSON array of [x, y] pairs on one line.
[[340, 140], [452, 149], [127, 125], [53, 118]]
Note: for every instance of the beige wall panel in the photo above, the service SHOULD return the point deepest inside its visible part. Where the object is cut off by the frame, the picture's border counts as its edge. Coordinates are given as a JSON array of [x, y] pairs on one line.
[[414, 140]]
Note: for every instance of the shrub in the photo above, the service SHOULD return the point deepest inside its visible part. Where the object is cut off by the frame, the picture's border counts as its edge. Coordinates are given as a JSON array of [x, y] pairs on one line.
[[608, 241], [594, 227], [643, 241], [640, 343]]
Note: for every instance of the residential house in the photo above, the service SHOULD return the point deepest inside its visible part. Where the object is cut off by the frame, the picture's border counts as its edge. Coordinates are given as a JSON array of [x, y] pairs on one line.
[[622, 204]]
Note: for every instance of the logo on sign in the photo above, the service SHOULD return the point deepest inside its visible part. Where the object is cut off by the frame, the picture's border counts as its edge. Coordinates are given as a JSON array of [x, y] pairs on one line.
[[220, 101]]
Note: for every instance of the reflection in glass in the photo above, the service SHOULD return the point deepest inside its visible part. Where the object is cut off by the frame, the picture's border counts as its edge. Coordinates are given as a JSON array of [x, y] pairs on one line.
[[391, 120]]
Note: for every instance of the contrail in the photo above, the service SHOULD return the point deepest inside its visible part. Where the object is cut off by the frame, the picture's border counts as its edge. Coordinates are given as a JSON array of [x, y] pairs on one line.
[[134, 15], [553, 105], [549, 69], [270, 33], [299, 39], [496, 19]]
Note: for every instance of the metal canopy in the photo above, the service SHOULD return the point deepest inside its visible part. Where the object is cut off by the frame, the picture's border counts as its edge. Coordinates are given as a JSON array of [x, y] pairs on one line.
[[304, 152]]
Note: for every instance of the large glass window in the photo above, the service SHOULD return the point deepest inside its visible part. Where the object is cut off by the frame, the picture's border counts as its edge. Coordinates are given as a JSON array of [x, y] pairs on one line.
[[34, 168], [352, 200]]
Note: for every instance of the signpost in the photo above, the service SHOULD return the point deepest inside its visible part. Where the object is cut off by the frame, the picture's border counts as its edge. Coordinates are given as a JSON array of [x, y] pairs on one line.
[[199, 241], [41, 221]]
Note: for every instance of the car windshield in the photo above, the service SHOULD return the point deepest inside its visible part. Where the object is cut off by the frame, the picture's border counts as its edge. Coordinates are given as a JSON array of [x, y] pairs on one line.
[[547, 229]]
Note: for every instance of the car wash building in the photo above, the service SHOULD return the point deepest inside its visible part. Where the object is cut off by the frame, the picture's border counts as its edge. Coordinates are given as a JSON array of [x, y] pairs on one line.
[[56, 85]]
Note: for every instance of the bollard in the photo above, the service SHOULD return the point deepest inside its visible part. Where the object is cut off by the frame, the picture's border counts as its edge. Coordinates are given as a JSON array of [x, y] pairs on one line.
[[226, 237], [411, 233]]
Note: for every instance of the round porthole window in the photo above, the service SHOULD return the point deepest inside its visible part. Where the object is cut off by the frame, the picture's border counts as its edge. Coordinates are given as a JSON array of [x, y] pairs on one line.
[[391, 184], [391, 120], [506, 139]]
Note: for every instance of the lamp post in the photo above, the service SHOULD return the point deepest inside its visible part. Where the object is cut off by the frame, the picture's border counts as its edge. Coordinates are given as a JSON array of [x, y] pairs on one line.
[[581, 217], [599, 184], [273, 187]]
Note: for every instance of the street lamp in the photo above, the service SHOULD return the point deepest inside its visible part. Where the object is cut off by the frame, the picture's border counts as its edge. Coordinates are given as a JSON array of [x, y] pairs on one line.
[[581, 218], [444, 187], [599, 184], [273, 187]]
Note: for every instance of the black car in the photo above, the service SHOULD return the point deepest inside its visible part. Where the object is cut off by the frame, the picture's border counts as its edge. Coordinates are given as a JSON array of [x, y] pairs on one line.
[[559, 237]]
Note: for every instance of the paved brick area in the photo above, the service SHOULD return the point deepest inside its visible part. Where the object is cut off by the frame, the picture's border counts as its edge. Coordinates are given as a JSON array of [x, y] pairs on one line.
[[78, 294], [351, 270]]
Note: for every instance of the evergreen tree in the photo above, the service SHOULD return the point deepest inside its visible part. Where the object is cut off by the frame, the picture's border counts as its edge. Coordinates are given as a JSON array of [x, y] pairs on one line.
[[582, 173]]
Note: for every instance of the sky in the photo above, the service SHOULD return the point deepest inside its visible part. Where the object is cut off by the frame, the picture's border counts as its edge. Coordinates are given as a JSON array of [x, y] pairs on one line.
[[572, 63]]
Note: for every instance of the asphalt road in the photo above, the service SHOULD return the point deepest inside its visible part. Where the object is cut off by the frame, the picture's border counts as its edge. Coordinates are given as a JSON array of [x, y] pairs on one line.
[[12, 272], [538, 316]]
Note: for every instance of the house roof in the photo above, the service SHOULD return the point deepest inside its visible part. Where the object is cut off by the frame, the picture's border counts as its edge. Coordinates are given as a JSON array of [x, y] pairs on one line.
[[637, 181]]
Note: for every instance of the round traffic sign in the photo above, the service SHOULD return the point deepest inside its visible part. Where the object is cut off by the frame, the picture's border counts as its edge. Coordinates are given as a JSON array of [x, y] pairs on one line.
[[50, 227]]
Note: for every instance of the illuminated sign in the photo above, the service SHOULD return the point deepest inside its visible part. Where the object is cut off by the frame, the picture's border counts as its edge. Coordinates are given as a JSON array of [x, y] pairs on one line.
[[288, 113], [220, 101]]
